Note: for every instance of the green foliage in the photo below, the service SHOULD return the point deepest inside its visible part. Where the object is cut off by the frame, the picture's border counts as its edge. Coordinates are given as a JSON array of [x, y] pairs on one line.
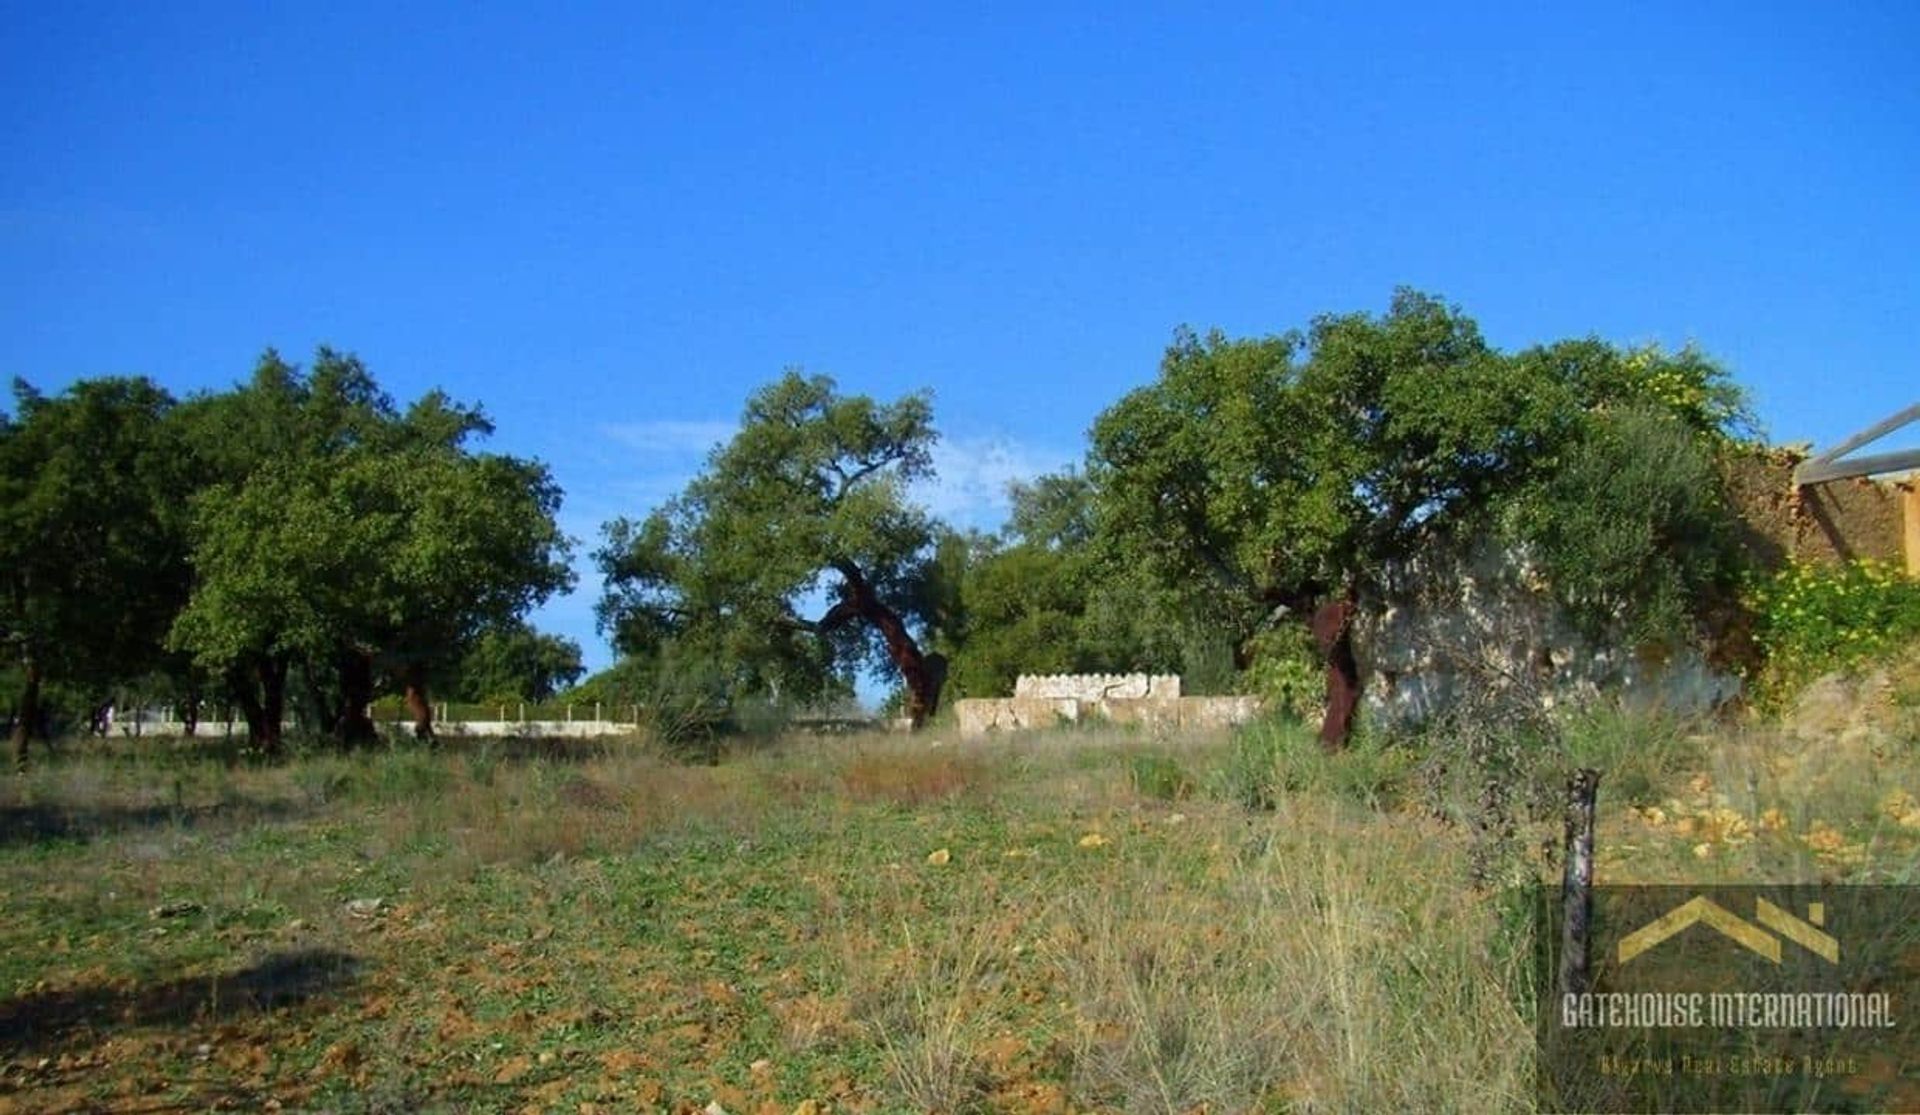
[[513, 662], [1263, 477], [330, 526], [1286, 673], [1633, 527], [620, 685], [1287, 471], [1813, 618], [1044, 598], [1021, 615], [92, 549]]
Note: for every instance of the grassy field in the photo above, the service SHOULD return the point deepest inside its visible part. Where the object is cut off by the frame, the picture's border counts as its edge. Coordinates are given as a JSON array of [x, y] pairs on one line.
[[1073, 921]]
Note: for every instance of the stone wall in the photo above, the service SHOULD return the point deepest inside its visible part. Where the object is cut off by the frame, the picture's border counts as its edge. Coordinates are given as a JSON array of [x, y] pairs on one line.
[[1097, 687], [977, 716], [1491, 621], [1840, 521]]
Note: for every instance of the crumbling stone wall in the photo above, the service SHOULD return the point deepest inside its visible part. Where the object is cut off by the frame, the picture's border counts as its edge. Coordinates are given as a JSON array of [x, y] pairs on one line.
[[1490, 620], [1050, 701], [1844, 520], [1097, 687]]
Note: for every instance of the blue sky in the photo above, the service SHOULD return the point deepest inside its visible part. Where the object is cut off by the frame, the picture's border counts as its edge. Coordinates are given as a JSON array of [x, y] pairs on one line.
[[608, 223]]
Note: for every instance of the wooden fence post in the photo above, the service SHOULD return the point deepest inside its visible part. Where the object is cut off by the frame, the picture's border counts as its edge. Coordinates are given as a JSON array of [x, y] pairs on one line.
[[1576, 888], [1910, 511]]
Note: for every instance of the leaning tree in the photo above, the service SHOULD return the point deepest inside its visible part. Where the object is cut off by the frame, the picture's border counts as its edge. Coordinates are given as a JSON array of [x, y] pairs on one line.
[[805, 506]]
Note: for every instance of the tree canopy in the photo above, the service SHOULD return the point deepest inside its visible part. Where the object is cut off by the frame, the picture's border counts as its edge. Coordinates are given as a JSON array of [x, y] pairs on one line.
[[512, 661], [341, 534], [1284, 475], [92, 554]]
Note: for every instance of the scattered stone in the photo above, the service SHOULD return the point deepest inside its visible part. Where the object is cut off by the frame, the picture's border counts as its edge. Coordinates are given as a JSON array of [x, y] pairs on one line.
[[174, 909], [939, 857], [366, 907], [714, 1108], [1094, 840]]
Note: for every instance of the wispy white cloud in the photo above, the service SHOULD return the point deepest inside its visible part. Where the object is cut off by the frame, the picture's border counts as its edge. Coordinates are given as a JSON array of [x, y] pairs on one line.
[[669, 437], [969, 486], [971, 474]]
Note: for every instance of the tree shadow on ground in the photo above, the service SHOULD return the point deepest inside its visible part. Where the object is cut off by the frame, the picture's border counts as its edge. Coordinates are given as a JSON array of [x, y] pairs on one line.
[[43, 1020], [36, 824]]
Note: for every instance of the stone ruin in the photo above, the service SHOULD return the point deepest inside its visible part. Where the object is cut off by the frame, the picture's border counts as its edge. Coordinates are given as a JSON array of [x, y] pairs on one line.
[[1097, 687], [1047, 701]]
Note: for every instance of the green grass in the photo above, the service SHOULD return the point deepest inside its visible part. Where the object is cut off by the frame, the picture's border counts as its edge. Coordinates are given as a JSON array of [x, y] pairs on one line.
[[1084, 921]]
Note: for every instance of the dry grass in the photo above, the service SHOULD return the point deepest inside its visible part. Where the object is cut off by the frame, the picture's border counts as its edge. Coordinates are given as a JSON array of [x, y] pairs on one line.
[[1083, 920]]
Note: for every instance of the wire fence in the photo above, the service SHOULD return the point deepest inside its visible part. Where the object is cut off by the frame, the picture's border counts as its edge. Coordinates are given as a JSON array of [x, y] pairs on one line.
[[394, 710]]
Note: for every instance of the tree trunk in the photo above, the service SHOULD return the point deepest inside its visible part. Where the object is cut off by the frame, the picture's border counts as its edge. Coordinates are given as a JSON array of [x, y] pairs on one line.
[[415, 677], [27, 716], [1333, 636], [321, 713], [190, 710], [353, 725], [242, 687], [273, 705], [922, 675]]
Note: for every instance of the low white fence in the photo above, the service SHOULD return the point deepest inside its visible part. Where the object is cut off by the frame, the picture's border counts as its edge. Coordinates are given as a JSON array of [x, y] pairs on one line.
[[166, 722]]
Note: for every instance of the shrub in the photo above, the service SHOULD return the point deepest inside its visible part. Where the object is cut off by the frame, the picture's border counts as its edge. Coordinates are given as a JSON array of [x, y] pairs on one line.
[[1286, 673], [1811, 619], [1634, 529]]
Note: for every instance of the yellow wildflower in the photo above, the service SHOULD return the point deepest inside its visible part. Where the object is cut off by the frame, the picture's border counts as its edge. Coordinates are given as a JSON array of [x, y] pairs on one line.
[[1823, 837]]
